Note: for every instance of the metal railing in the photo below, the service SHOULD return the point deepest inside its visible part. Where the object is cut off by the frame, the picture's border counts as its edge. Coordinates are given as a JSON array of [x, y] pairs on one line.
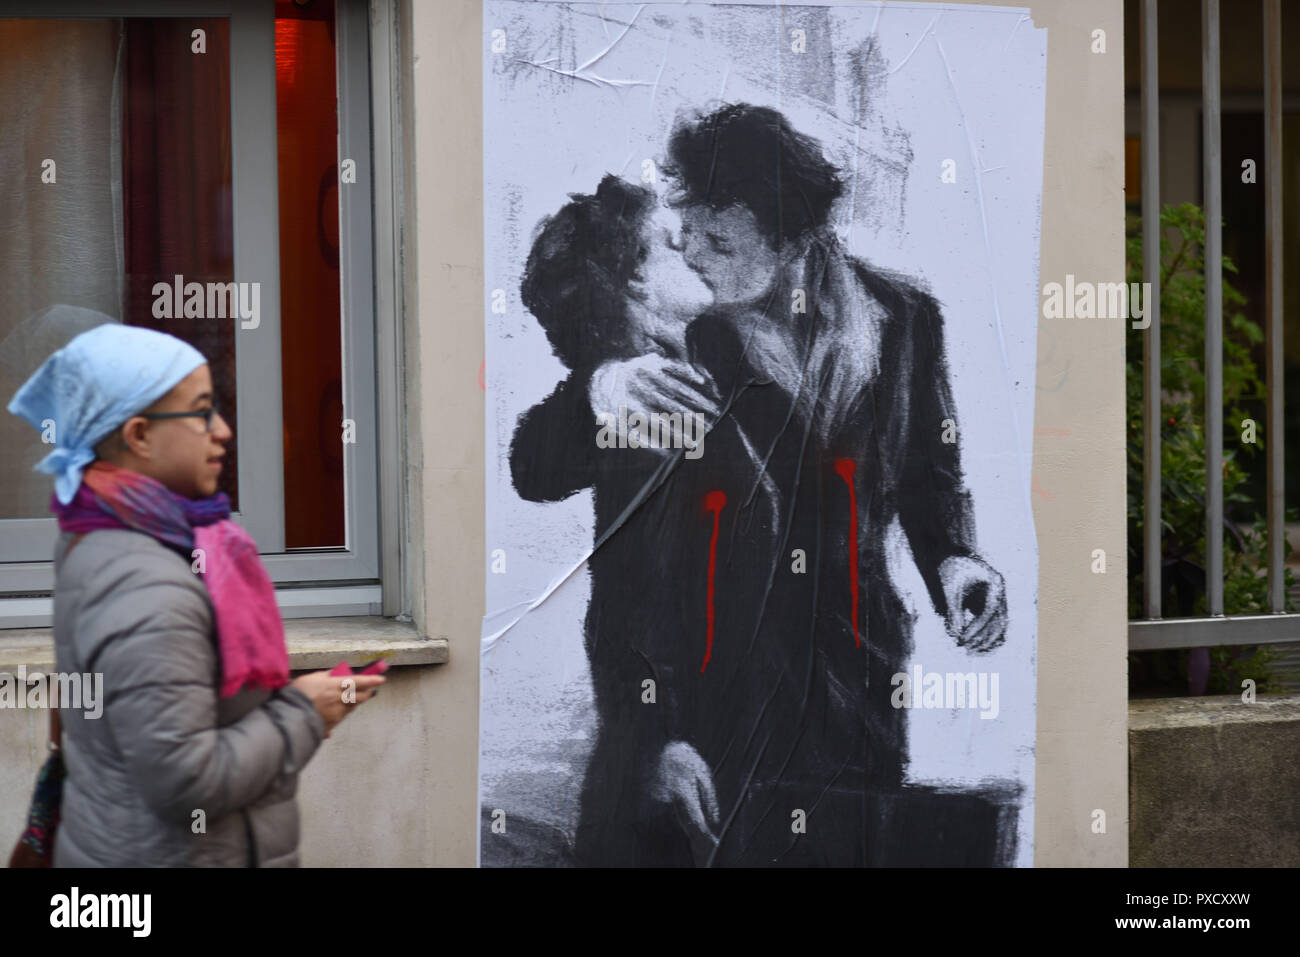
[[1155, 632]]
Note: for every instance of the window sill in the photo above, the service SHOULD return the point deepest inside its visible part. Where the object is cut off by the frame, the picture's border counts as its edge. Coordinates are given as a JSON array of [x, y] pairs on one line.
[[314, 644], [36, 612]]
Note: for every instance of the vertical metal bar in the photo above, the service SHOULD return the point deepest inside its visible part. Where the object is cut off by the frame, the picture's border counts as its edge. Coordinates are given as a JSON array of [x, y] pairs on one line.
[[1151, 274], [385, 87], [357, 281], [255, 171], [1213, 187], [1273, 297]]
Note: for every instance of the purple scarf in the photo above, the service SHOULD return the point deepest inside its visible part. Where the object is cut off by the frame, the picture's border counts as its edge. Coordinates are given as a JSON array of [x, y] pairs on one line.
[[250, 633]]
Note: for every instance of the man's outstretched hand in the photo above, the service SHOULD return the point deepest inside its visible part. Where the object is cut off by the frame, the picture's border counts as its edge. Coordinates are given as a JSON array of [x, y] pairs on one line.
[[977, 603]]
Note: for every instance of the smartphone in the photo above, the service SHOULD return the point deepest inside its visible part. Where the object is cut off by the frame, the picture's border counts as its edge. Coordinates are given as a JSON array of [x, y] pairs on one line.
[[376, 667]]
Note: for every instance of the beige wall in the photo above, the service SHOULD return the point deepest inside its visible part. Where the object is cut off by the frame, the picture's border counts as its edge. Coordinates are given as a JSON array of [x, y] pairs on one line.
[[1079, 504], [444, 351], [1082, 711]]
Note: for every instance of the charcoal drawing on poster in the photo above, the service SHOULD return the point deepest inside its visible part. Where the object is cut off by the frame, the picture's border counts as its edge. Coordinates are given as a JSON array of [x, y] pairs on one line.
[[760, 287]]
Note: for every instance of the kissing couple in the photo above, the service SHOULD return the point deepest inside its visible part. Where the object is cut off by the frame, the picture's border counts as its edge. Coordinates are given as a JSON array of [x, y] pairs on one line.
[[743, 626]]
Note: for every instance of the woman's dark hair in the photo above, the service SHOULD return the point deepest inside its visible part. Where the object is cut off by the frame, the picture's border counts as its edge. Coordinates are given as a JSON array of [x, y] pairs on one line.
[[750, 155], [580, 266]]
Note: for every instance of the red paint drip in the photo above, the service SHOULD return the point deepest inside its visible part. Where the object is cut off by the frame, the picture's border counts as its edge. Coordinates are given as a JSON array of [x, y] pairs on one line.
[[713, 502], [845, 469]]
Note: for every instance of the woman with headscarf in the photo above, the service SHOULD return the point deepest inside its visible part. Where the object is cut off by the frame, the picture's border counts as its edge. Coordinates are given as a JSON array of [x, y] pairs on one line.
[[195, 758]]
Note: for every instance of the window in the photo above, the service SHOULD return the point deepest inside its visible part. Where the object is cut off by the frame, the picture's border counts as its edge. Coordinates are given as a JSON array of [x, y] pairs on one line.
[[210, 175]]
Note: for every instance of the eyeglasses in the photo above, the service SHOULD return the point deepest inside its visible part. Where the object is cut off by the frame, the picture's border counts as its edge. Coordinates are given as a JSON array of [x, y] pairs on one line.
[[204, 414]]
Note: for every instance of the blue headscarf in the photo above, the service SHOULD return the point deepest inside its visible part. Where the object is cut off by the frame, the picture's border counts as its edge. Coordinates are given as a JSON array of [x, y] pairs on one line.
[[93, 385]]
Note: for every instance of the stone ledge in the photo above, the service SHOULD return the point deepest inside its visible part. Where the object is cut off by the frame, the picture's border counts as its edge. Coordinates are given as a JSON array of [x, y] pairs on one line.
[[1159, 714], [1213, 782], [314, 644]]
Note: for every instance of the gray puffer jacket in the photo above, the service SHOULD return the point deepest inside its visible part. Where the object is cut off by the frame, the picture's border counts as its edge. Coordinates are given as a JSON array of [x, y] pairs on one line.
[[165, 746]]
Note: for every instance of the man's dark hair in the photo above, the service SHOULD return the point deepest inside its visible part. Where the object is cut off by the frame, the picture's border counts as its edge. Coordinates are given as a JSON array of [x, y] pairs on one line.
[[582, 260], [750, 155]]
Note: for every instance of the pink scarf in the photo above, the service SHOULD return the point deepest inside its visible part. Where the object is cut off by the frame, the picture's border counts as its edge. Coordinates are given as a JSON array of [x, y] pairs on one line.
[[250, 633]]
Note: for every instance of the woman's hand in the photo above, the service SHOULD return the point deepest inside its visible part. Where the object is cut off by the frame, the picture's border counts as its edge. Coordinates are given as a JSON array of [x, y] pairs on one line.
[[336, 696]]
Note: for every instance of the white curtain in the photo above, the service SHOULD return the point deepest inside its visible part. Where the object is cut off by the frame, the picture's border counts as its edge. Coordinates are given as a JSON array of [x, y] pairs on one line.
[[61, 242]]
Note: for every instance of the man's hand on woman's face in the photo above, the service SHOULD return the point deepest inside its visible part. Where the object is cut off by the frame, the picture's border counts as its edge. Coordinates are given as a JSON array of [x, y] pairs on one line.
[[654, 383]]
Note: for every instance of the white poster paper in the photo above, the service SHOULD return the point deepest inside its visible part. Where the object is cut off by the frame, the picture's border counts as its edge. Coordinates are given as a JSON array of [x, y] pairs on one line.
[[761, 286]]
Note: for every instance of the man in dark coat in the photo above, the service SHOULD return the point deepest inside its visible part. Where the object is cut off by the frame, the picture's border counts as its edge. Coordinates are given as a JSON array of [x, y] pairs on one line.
[[854, 426]]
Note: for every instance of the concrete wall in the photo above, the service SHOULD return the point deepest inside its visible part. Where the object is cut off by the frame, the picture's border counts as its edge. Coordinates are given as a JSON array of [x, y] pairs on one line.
[[367, 799], [445, 336], [1214, 782], [1079, 466]]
